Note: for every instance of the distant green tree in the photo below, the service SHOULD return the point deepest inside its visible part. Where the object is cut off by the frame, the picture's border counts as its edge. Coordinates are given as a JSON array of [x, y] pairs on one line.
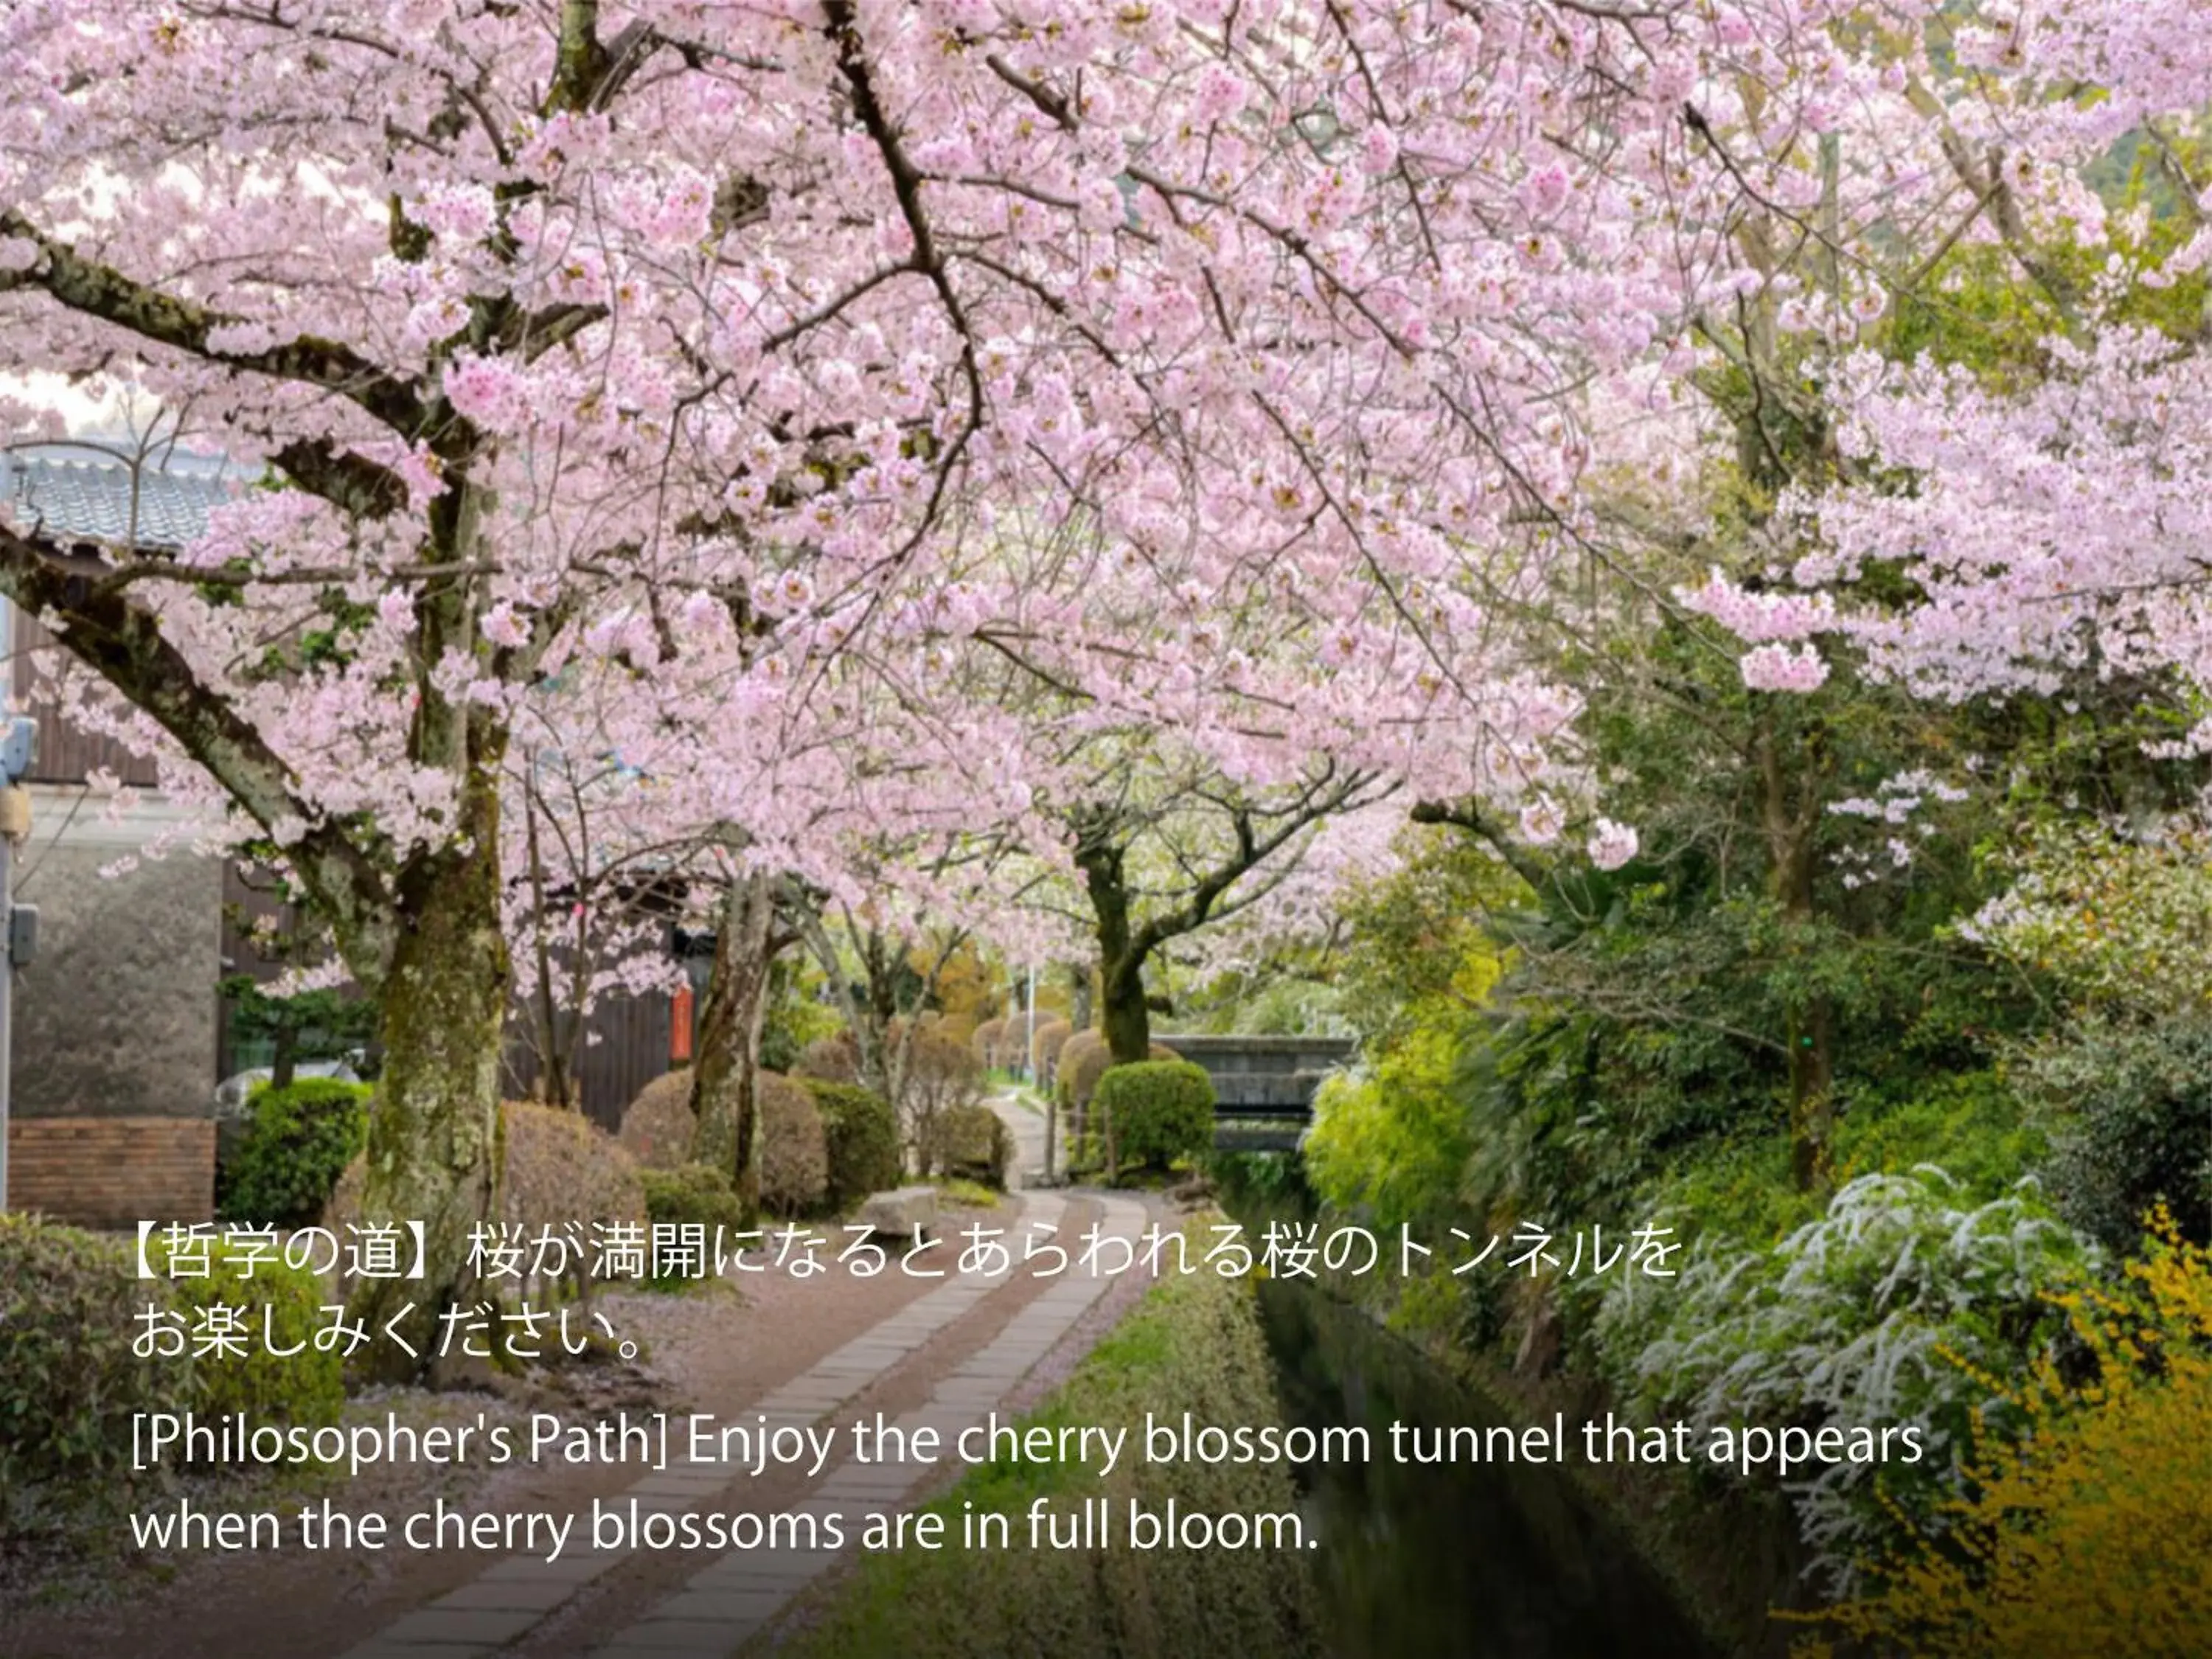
[[326, 1025]]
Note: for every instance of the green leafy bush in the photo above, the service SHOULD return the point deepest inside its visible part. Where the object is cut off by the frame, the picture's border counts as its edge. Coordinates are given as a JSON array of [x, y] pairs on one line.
[[862, 1134], [795, 1018], [2129, 1110], [274, 1369], [297, 1142], [691, 1195], [69, 1381], [794, 1147], [1971, 1125], [1900, 1304], [1390, 1143], [971, 1143], [1155, 1112], [1084, 1059]]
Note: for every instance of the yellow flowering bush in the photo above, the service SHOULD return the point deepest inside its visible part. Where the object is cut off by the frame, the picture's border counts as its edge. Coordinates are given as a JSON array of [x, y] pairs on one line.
[[2093, 1535]]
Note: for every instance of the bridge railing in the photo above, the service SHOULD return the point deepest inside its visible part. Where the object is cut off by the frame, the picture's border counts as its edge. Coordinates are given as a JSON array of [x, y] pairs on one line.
[[1264, 1086]]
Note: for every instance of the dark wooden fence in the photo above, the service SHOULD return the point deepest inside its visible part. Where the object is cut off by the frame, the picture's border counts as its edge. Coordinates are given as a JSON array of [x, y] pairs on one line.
[[625, 1048]]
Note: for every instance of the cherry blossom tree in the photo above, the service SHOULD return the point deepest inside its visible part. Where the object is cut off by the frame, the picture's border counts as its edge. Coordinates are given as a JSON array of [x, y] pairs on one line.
[[1227, 368]]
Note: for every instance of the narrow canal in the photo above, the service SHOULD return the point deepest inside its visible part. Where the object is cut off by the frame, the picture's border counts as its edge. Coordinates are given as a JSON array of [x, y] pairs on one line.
[[1450, 1562]]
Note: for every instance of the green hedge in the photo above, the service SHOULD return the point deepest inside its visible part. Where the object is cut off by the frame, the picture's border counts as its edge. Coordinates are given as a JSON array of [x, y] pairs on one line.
[[297, 1143], [692, 1193], [69, 1306], [1193, 1345], [69, 1381], [864, 1139], [280, 1307], [1154, 1112]]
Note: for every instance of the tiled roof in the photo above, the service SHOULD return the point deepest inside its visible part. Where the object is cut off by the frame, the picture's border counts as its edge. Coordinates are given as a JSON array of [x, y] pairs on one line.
[[94, 491]]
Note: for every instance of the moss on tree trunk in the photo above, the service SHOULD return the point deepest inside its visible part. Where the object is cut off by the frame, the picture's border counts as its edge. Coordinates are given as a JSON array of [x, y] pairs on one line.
[[726, 1072], [434, 1136], [1124, 1019]]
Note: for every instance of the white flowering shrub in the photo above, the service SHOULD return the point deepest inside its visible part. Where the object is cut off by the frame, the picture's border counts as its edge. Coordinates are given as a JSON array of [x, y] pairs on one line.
[[1899, 1305]]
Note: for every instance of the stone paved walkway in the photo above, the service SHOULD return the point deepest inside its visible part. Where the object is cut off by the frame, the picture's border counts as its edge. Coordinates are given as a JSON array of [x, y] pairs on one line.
[[728, 1603], [724, 1604], [1028, 1133]]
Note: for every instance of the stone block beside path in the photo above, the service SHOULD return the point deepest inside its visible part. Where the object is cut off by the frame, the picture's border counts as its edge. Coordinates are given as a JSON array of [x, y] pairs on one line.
[[901, 1212]]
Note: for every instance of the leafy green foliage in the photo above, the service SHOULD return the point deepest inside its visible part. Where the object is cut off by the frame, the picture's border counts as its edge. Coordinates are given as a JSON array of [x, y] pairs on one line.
[[2123, 923], [691, 1195], [796, 1016], [2129, 1110], [1156, 1112], [1391, 1143], [274, 1369], [69, 1381], [297, 1143], [1894, 1306], [1971, 1125], [312, 1025], [862, 1133]]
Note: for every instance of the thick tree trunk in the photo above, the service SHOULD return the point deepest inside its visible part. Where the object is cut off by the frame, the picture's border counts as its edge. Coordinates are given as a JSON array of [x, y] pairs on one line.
[[1125, 1020], [1124, 1017], [435, 1144], [725, 1070], [1078, 996]]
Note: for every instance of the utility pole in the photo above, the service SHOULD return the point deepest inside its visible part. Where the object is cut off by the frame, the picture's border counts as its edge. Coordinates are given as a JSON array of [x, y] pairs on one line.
[[1029, 1044], [19, 747]]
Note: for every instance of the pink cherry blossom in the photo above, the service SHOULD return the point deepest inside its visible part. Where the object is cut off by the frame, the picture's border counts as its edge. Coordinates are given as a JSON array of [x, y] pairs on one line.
[[1612, 845]]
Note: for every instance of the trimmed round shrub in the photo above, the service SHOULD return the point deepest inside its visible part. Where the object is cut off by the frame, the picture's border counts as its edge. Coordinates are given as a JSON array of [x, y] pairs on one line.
[[69, 1382], [297, 1142], [560, 1167], [1155, 1111], [1082, 1063], [794, 1147], [835, 1059], [1045, 1046], [940, 1076], [563, 1167], [691, 1193], [972, 1143], [278, 1308], [988, 1037], [862, 1134], [657, 1129]]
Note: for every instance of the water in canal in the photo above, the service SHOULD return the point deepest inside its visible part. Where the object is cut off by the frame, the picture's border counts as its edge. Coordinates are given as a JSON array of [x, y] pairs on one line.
[[1449, 1562]]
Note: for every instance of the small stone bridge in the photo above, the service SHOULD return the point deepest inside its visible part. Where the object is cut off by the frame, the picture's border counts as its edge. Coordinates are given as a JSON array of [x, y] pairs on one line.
[[1265, 1084]]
